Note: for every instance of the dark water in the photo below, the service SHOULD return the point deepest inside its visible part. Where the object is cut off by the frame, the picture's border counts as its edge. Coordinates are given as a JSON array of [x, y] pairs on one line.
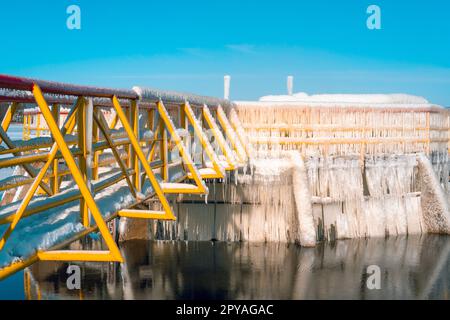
[[411, 268]]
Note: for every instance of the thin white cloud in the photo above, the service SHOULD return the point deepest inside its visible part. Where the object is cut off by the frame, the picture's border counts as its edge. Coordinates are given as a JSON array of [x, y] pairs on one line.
[[243, 48], [196, 52]]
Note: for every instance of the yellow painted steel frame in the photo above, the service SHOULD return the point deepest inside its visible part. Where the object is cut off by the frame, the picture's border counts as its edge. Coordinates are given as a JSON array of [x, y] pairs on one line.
[[237, 125], [167, 213], [134, 108], [26, 200], [114, 122], [8, 117], [231, 135], [224, 147], [194, 174], [102, 125], [28, 168], [4, 128], [54, 182], [220, 174], [163, 150], [81, 133], [113, 253], [152, 149]]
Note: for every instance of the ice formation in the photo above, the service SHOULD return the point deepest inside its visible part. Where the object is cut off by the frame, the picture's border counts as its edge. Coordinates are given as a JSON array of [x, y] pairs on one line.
[[355, 168], [314, 174], [373, 99]]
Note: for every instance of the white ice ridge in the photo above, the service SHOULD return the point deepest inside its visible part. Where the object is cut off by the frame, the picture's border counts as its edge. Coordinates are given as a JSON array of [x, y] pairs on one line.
[[376, 100], [395, 98], [434, 199]]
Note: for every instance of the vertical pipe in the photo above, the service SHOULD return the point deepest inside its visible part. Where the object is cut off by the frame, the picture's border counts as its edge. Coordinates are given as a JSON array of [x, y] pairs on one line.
[[24, 129], [95, 139], [54, 181], [28, 131], [134, 113], [81, 132], [38, 124], [151, 125], [163, 151], [128, 147], [89, 127], [184, 124]]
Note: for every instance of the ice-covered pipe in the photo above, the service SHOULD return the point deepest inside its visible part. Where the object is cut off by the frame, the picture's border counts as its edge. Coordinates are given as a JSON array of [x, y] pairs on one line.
[[154, 95], [18, 83]]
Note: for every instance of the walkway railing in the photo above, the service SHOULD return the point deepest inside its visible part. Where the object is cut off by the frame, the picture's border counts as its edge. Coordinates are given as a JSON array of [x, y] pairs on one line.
[[139, 149]]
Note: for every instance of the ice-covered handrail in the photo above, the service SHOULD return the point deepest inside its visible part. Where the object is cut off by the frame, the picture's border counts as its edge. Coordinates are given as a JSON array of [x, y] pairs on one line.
[[26, 84], [18, 89], [154, 95]]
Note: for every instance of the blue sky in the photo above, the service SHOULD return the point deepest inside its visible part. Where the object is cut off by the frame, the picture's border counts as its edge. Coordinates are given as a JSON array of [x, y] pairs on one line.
[[190, 45]]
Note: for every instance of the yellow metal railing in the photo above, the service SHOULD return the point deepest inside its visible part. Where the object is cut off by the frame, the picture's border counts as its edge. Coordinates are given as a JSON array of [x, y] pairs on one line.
[[138, 159]]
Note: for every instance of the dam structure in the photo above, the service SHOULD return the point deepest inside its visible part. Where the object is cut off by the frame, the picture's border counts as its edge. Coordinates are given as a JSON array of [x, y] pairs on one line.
[[117, 165]]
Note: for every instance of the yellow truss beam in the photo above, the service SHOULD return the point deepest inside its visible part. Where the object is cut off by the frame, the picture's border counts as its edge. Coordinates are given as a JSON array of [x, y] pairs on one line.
[[102, 125], [134, 111], [35, 184], [231, 135], [224, 147], [237, 125], [143, 214], [54, 181], [194, 174], [113, 253], [219, 171], [146, 166], [82, 145]]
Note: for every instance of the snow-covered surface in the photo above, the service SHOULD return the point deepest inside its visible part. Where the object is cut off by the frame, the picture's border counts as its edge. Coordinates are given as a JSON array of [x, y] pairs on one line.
[[204, 171], [173, 185], [221, 162], [348, 98], [397, 100]]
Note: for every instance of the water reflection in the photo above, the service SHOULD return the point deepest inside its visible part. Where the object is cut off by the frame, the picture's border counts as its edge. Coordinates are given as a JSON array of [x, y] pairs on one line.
[[411, 268]]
